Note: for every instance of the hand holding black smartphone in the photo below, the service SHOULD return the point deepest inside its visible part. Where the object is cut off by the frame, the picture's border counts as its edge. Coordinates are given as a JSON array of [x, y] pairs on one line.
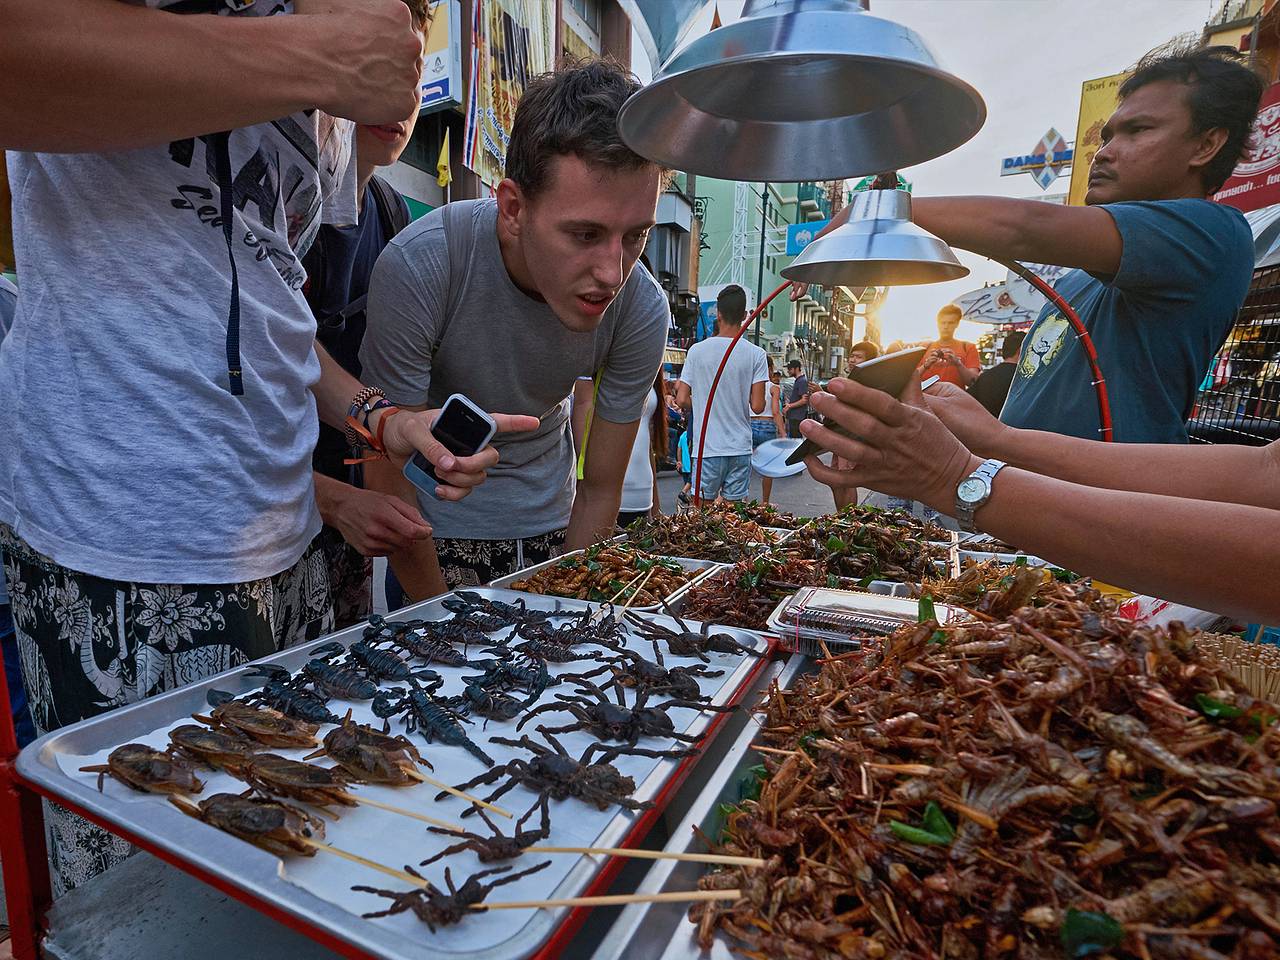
[[890, 374], [463, 429]]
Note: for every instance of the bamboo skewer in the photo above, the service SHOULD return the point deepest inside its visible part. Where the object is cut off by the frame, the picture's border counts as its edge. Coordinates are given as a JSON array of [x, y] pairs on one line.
[[615, 899], [364, 862], [636, 592], [602, 901], [719, 858], [378, 804], [454, 791]]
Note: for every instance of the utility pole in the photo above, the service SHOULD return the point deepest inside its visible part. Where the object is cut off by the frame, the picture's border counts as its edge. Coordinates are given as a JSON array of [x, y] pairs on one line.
[[764, 223]]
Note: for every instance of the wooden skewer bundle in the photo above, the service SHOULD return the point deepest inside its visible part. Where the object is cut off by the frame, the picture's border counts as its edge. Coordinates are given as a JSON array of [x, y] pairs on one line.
[[1256, 665], [599, 901]]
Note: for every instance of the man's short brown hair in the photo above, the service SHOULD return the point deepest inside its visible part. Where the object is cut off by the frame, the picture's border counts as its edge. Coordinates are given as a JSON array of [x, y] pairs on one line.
[[573, 110]]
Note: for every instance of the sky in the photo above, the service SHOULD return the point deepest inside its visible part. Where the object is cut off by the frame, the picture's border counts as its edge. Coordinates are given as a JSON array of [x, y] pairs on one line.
[[1028, 59]]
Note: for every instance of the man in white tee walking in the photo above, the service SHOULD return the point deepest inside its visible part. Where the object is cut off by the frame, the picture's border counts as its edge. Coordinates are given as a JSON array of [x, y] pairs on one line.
[[726, 470]]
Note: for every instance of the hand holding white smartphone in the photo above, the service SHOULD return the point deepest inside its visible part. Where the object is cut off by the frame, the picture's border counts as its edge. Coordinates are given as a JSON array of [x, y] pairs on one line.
[[463, 429]]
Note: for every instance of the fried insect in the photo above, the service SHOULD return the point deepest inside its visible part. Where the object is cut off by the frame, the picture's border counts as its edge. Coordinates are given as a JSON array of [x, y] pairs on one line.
[[498, 846], [147, 770], [276, 827], [687, 642], [366, 755], [606, 572], [617, 721], [282, 692], [434, 719], [704, 534], [219, 749], [268, 727], [436, 908], [629, 669], [279, 776], [1011, 786], [555, 774], [419, 638]]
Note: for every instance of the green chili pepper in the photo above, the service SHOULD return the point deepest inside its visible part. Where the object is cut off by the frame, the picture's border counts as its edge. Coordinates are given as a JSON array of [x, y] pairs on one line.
[[1085, 933], [926, 611], [1216, 709]]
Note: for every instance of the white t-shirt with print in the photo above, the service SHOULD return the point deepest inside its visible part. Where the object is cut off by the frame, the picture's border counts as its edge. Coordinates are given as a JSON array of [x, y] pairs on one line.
[[127, 456], [729, 430]]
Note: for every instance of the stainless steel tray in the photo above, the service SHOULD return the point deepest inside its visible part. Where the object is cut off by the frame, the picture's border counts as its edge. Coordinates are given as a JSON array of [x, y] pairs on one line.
[[291, 885], [703, 568], [662, 931]]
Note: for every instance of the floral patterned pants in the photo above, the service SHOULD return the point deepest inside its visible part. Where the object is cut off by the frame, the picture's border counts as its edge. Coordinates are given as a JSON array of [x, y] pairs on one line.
[[89, 645]]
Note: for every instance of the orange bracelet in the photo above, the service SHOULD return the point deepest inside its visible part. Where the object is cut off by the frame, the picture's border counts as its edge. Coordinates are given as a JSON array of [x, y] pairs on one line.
[[371, 441]]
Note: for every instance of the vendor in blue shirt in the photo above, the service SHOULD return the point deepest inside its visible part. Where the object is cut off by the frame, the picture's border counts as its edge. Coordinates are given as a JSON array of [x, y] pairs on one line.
[[1160, 270]]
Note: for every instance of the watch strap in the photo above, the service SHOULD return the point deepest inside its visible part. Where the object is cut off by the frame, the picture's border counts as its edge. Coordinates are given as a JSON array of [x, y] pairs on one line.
[[966, 509]]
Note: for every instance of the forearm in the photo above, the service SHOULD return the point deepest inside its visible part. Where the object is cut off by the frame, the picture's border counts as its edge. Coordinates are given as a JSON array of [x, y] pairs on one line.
[[967, 376], [334, 390], [1226, 473], [416, 567], [330, 495], [1005, 229], [1149, 544], [97, 75], [595, 514]]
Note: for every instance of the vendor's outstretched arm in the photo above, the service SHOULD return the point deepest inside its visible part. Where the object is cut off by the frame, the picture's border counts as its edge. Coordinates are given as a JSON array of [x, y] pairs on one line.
[[1005, 229], [1168, 547], [1164, 546], [599, 493], [1228, 473]]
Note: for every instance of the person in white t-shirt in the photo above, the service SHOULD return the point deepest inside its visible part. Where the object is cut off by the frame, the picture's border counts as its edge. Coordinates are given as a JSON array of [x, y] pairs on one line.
[[161, 384], [726, 470], [640, 485]]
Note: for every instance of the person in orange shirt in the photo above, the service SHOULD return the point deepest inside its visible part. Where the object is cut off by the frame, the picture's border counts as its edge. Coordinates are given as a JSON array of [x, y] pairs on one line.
[[951, 360]]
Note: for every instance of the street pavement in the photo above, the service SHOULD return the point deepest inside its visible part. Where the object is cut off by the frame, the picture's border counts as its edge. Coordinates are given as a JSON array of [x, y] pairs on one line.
[[801, 494]]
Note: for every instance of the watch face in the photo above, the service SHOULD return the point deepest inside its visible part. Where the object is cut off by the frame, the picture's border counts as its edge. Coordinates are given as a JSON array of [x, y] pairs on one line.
[[971, 490]]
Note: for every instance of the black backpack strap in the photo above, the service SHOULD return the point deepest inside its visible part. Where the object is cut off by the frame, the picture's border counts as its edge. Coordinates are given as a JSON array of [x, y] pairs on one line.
[[393, 211], [219, 143]]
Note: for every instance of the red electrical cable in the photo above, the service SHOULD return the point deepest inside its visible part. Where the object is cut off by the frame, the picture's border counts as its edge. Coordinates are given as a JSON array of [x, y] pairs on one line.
[[1082, 334], [711, 394]]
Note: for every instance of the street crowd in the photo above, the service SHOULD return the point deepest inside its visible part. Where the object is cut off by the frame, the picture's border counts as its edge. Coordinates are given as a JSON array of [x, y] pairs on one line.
[[210, 326]]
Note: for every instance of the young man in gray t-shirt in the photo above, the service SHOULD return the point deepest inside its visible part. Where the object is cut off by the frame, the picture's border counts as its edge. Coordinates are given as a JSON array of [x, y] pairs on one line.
[[509, 301]]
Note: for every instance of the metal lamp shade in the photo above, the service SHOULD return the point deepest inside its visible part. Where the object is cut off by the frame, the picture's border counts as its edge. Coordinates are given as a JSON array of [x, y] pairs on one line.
[[801, 90], [879, 246]]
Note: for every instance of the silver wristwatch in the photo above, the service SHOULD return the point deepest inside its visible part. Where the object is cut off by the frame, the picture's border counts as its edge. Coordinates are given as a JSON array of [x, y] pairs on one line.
[[975, 490]]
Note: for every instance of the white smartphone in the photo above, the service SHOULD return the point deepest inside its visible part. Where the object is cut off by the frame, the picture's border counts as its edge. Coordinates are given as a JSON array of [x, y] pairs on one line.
[[462, 428]]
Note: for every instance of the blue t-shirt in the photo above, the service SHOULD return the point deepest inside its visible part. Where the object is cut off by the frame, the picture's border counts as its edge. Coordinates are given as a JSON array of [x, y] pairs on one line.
[[1156, 325]]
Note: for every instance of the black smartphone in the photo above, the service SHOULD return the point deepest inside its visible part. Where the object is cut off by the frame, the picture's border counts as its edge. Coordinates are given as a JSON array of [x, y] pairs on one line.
[[462, 428], [890, 374]]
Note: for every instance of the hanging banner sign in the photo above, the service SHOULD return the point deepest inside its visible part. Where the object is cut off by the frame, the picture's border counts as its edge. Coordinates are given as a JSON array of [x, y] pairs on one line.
[[511, 43], [1255, 182], [1098, 100], [442, 58], [800, 235]]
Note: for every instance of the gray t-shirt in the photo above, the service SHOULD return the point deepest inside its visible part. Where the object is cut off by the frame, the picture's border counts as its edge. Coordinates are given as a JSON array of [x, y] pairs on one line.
[[445, 317], [126, 456]]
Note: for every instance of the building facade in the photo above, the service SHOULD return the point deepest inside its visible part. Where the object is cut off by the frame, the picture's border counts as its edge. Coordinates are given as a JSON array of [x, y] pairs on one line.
[[751, 232]]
